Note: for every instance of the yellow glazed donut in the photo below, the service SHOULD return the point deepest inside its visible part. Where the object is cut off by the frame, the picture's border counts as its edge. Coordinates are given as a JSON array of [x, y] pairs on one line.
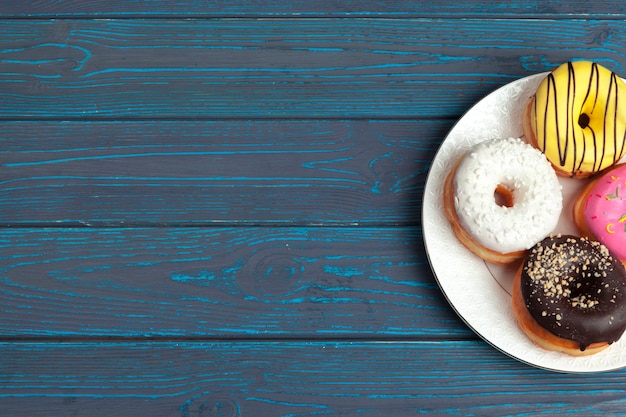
[[577, 118]]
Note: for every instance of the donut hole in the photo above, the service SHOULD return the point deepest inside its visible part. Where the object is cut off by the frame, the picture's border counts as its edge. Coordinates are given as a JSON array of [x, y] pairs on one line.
[[583, 120], [585, 297], [503, 196]]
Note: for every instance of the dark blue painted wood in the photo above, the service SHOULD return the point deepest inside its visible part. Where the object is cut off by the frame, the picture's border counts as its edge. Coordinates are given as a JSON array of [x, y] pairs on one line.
[[291, 379], [299, 144], [217, 172], [221, 283], [282, 68], [296, 8]]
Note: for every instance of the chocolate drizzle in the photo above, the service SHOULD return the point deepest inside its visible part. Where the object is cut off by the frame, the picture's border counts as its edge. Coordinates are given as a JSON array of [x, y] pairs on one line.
[[582, 135], [569, 114], [574, 288], [614, 83], [594, 78]]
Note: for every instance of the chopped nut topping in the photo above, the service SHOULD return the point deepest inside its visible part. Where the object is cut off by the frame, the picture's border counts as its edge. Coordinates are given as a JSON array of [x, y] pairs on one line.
[[562, 272]]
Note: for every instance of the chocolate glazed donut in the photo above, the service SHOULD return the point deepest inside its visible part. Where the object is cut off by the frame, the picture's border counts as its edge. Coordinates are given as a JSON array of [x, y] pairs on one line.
[[575, 289]]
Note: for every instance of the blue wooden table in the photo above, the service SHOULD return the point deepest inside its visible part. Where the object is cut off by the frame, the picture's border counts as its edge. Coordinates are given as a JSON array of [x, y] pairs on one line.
[[214, 209]]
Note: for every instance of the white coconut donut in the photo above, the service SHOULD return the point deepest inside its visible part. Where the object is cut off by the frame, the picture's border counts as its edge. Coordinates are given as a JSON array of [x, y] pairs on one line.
[[523, 173]]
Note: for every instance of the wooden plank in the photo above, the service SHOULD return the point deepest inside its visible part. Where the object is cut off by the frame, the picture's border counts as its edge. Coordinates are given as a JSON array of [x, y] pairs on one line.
[[208, 172], [348, 8], [231, 282], [281, 68], [291, 378]]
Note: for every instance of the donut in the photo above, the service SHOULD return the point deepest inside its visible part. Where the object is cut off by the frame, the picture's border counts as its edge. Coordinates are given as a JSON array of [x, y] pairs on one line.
[[501, 198], [569, 295], [578, 119], [600, 210]]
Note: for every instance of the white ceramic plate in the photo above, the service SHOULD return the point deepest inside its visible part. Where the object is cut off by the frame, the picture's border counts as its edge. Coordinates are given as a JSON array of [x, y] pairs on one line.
[[478, 291]]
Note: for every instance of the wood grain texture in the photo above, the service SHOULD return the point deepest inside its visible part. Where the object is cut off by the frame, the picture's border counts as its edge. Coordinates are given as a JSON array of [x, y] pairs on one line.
[[296, 8], [212, 208], [292, 379], [216, 172], [231, 282], [281, 68]]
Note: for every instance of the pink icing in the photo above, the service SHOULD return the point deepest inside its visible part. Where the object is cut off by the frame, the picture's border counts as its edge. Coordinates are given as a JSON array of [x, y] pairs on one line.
[[605, 211]]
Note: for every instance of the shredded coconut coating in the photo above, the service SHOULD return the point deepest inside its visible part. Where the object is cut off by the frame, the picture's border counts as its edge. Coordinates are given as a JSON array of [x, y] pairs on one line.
[[536, 191]]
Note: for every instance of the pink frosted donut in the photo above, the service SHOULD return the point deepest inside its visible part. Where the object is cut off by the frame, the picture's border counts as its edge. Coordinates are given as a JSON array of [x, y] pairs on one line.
[[600, 210]]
